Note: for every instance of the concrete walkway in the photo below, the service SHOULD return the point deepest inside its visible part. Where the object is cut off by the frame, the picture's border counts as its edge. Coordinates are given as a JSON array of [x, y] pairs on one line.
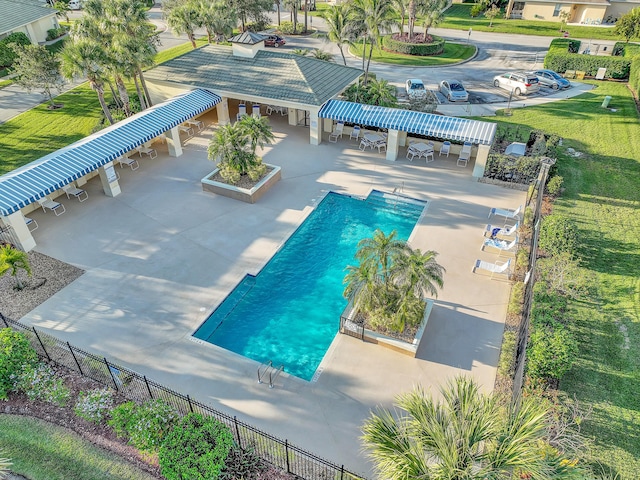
[[163, 254]]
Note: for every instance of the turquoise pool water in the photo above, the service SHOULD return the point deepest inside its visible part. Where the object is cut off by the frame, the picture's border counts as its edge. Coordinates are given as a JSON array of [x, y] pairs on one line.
[[290, 312]]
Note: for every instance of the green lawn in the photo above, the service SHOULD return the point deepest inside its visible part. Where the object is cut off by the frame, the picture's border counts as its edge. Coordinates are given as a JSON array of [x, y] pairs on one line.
[[603, 196], [40, 131], [5, 83], [453, 53], [42, 451], [458, 17]]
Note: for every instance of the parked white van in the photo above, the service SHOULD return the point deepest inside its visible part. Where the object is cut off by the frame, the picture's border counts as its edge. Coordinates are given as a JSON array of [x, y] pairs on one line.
[[75, 4]]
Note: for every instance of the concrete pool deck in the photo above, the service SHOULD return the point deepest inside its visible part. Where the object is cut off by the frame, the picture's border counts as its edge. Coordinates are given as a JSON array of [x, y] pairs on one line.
[[162, 255]]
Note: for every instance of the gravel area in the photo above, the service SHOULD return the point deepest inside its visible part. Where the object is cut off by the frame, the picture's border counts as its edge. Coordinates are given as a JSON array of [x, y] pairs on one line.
[[48, 276]]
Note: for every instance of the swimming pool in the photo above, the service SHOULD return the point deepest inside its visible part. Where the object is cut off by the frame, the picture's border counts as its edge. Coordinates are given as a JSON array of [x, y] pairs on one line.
[[290, 312]]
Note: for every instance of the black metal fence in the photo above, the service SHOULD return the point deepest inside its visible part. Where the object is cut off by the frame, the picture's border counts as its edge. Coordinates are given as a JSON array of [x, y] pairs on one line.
[[134, 386], [348, 326]]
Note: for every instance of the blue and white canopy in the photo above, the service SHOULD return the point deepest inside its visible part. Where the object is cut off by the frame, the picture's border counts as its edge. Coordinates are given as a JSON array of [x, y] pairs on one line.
[[429, 124], [41, 177]]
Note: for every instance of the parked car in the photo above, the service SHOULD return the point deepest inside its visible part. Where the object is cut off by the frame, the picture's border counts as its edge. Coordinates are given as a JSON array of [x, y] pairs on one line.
[[271, 40], [549, 78], [520, 83], [415, 88], [75, 5], [454, 91]]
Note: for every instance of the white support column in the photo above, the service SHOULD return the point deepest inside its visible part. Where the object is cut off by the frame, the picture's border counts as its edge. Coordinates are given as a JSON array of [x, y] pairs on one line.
[[392, 145], [328, 125], [32, 34], [402, 139], [222, 109], [21, 231], [315, 128], [109, 180], [173, 142], [293, 117], [481, 161]]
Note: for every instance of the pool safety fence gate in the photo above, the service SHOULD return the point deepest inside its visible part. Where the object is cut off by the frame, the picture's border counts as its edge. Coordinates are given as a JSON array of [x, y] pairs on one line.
[[348, 326], [280, 453]]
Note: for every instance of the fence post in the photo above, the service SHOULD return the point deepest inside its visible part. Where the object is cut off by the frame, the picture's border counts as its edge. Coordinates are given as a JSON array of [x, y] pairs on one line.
[[286, 452], [41, 344], [235, 422], [190, 406], [148, 387], [110, 373], [341, 472], [74, 357], [4, 320]]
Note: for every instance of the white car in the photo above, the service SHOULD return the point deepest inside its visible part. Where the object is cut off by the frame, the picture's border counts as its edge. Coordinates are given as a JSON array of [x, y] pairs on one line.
[[415, 88], [520, 83], [75, 4], [454, 91]]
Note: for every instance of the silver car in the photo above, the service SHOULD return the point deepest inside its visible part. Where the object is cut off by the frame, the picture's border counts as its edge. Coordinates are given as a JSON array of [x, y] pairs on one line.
[[549, 78], [520, 83], [454, 91]]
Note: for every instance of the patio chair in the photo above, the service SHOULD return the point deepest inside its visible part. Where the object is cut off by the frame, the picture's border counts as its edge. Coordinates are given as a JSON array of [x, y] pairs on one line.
[[47, 204], [507, 214], [506, 231], [495, 268], [355, 133], [31, 224], [147, 151], [445, 148], [364, 143], [256, 111], [72, 191], [129, 162], [465, 155], [242, 111], [502, 245], [186, 129], [411, 152], [380, 145], [337, 132]]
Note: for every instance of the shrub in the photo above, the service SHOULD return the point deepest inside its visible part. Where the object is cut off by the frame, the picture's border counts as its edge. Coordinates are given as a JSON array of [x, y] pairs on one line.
[[7, 54], [563, 55], [478, 9], [522, 170], [146, 425], [436, 47], [558, 234], [516, 298], [242, 464], [258, 26], [550, 353], [196, 448], [286, 28], [54, 33], [41, 383], [506, 363], [94, 406], [16, 354], [554, 185]]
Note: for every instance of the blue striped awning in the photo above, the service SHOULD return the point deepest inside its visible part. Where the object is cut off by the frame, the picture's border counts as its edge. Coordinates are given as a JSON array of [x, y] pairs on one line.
[[429, 124], [42, 177]]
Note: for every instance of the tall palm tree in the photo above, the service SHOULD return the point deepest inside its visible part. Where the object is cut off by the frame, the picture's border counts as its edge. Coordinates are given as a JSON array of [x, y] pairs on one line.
[[381, 251], [184, 18], [218, 18], [378, 17], [86, 57], [14, 260], [412, 12], [382, 93], [419, 273], [292, 5], [433, 13], [401, 7], [362, 284], [339, 26], [465, 436], [257, 131]]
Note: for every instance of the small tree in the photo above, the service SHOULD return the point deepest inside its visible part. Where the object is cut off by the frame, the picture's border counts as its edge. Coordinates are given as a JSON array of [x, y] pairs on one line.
[[492, 13], [628, 25], [564, 17], [14, 260], [433, 13], [62, 9]]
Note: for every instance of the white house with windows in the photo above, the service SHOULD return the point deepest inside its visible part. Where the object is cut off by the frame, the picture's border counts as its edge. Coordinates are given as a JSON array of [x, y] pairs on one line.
[[30, 17], [586, 12]]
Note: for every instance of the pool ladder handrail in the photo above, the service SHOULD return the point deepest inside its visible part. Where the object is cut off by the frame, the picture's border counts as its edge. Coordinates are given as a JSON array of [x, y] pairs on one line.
[[271, 369]]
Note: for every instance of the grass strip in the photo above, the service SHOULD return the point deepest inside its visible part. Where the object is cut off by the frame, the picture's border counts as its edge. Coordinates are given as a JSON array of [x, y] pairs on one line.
[[453, 53], [42, 451], [602, 196], [5, 83]]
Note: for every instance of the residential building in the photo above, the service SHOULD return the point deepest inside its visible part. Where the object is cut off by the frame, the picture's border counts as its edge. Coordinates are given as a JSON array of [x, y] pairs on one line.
[[31, 17]]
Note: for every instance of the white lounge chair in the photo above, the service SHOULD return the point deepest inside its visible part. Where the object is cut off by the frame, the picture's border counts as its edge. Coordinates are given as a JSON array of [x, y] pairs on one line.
[[129, 162], [47, 204], [72, 190], [337, 132], [199, 124], [465, 155], [506, 231], [186, 129], [147, 151], [31, 224], [445, 149], [502, 245], [355, 133], [506, 213], [495, 268]]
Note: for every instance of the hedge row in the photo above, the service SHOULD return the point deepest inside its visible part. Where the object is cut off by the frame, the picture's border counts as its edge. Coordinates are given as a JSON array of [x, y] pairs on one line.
[[7, 55], [562, 60], [419, 49], [634, 74]]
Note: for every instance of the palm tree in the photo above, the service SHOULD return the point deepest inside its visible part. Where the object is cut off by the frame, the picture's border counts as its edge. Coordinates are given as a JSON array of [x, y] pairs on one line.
[[418, 273], [381, 93], [401, 7], [377, 16], [62, 9], [87, 57], [433, 13], [339, 26], [218, 18], [257, 131], [362, 285], [14, 260], [412, 12], [322, 55], [465, 436], [292, 5], [184, 18], [381, 251]]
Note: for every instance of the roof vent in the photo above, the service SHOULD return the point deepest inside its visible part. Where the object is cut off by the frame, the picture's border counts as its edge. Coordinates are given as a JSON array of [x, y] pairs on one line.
[[247, 44]]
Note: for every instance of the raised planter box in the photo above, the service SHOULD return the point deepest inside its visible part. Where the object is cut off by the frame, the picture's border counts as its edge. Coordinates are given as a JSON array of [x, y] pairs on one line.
[[400, 346], [242, 194]]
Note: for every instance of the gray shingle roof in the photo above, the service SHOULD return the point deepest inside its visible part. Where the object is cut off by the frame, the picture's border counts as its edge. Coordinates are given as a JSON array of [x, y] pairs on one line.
[[16, 13], [270, 74], [248, 38]]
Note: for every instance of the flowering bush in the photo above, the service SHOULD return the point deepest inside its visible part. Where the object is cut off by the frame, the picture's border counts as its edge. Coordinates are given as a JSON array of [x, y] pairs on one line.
[[145, 425], [94, 406], [41, 383]]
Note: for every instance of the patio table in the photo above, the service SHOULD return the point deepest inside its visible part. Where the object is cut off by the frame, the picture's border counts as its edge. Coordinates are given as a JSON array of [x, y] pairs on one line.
[[195, 123]]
